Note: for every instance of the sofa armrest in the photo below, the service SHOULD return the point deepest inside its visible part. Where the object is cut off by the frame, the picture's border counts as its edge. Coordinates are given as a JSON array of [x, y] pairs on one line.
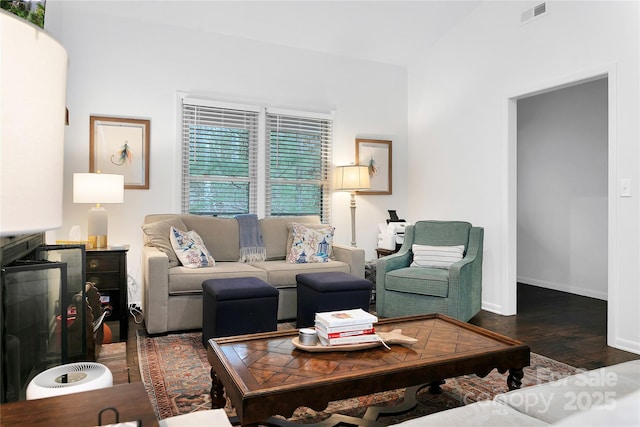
[[352, 256], [155, 289]]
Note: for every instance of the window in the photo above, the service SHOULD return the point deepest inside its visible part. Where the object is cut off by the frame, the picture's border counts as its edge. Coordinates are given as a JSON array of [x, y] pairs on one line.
[[219, 152], [220, 144], [297, 162]]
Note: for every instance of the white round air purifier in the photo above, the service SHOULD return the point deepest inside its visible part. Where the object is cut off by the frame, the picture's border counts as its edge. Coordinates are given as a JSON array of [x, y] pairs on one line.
[[69, 378]]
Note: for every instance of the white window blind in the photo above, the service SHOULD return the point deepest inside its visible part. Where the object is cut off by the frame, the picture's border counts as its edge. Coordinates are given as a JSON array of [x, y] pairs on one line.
[[219, 159], [298, 158]]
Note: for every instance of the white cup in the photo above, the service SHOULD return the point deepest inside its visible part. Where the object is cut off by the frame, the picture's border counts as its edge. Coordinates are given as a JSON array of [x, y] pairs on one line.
[[308, 336]]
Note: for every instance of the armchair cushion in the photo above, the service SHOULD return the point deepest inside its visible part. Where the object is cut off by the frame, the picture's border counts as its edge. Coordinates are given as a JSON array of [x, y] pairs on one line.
[[436, 256], [419, 281], [442, 233]]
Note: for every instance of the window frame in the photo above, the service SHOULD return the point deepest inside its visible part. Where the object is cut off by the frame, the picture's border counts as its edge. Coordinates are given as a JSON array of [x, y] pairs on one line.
[[259, 180], [317, 124]]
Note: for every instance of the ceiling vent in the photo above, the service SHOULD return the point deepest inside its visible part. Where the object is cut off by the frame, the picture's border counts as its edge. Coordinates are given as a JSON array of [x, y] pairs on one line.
[[534, 12]]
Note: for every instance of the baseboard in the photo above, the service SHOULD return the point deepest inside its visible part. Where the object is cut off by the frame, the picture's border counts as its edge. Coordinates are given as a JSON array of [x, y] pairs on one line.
[[563, 288], [627, 345], [493, 308]]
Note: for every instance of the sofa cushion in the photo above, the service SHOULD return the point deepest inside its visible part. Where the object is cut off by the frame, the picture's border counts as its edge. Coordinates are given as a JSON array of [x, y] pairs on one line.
[[485, 413], [184, 280], [282, 273], [190, 249], [310, 244], [210, 417], [220, 235], [275, 233], [420, 281], [623, 412], [157, 234], [436, 256], [557, 400]]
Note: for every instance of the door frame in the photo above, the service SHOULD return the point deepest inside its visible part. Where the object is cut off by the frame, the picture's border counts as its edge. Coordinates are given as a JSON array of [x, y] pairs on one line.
[[510, 214]]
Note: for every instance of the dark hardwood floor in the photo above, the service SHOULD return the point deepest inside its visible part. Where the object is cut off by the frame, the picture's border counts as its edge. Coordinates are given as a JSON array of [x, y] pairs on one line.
[[565, 327]]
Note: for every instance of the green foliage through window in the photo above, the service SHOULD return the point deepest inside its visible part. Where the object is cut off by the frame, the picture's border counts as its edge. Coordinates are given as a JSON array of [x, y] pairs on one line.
[[32, 11]]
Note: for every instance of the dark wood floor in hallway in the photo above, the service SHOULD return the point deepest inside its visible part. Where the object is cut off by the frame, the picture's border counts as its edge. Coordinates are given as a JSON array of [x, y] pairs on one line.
[[565, 327]]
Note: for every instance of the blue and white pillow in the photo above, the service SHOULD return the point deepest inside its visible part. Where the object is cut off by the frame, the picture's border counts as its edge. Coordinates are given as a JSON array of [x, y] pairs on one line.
[[190, 249], [310, 244]]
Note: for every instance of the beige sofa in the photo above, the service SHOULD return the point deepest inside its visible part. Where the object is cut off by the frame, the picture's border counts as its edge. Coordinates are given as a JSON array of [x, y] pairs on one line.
[[608, 396], [172, 294]]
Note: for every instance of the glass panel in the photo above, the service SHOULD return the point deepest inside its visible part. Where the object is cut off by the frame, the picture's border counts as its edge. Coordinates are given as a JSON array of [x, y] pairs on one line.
[[31, 319], [296, 199], [219, 148], [75, 258], [218, 198]]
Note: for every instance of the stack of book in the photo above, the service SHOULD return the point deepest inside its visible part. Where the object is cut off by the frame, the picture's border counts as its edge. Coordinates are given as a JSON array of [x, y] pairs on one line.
[[346, 327]]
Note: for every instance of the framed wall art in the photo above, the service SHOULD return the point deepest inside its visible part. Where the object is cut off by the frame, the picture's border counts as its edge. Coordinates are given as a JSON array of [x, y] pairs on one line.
[[376, 155], [120, 146]]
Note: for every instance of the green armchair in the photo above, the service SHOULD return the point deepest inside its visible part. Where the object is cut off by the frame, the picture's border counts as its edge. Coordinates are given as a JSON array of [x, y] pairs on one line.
[[402, 289]]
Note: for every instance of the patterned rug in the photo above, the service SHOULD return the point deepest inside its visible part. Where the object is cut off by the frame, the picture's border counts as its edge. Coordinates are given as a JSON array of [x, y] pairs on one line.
[[176, 374]]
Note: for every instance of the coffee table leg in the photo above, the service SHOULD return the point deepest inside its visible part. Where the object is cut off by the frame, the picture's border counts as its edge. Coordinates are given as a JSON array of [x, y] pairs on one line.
[[514, 378], [434, 387], [217, 392]]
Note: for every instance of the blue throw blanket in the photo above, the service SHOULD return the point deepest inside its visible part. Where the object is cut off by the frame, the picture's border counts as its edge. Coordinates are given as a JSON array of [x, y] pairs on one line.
[[252, 247]]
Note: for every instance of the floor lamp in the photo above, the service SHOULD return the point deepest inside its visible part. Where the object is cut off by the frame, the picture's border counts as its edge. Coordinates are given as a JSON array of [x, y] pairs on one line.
[[352, 178]]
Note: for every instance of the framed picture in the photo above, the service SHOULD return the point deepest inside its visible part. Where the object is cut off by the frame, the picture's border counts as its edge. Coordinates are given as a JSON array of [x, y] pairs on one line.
[[120, 146], [376, 155]]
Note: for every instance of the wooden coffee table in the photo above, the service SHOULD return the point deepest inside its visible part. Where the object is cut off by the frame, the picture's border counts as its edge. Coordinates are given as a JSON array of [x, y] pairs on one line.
[[264, 374]]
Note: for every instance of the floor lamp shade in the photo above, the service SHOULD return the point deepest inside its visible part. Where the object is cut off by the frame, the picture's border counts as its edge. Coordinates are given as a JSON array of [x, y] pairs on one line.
[[33, 78], [352, 178], [98, 188]]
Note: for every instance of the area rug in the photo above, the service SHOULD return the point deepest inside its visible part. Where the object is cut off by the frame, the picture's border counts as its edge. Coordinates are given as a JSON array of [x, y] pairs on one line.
[[176, 374]]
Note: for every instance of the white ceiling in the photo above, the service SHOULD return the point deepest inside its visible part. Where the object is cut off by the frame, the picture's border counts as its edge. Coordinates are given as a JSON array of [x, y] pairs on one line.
[[386, 31]]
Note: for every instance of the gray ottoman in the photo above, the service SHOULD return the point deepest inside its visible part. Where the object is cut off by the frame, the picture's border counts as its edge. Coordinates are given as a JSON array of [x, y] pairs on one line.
[[318, 292], [237, 306]]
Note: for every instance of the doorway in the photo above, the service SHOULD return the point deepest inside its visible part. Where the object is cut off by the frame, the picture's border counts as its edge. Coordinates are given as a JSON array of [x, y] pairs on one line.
[[508, 295], [562, 170]]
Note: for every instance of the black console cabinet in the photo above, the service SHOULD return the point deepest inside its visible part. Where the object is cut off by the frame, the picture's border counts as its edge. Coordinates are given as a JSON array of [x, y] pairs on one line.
[[107, 269]]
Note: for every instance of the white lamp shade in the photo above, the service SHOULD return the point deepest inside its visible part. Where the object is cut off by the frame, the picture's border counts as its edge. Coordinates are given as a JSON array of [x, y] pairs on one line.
[[98, 188], [351, 178], [33, 77]]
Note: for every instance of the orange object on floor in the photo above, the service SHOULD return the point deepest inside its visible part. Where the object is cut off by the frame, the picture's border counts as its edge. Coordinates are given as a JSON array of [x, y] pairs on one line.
[[107, 334]]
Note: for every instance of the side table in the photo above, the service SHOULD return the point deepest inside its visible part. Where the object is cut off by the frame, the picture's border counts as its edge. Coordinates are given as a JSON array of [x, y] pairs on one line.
[[384, 252], [107, 268]]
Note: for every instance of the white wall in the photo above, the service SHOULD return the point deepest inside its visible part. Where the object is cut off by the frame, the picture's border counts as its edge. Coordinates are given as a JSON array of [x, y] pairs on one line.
[[459, 131], [562, 189], [123, 66]]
